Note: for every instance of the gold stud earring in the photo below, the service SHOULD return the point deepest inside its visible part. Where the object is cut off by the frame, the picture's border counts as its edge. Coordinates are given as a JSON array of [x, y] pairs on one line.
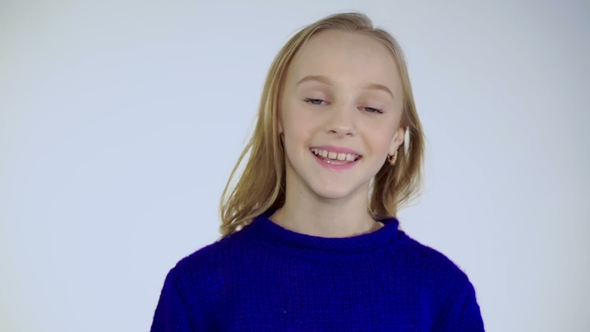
[[393, 158]]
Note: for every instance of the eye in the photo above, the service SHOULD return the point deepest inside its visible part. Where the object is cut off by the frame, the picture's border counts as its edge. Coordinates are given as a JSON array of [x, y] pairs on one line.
[[373, 110], [314, 101]]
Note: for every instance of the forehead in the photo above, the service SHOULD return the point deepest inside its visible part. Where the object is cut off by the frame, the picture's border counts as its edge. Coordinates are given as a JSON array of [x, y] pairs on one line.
[[346, 57]]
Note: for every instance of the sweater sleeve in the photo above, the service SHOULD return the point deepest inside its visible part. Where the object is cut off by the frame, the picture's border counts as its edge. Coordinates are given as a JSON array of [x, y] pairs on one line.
[[464, 315], [172, 314]]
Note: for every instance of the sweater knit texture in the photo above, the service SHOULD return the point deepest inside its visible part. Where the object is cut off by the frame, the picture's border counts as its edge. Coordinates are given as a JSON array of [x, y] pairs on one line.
[[268, 278]]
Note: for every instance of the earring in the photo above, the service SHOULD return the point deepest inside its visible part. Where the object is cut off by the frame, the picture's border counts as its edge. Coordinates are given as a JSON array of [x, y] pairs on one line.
[[393, 158]]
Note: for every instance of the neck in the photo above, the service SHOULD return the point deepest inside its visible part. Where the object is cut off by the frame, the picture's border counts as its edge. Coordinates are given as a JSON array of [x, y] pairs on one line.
[[306, 213]]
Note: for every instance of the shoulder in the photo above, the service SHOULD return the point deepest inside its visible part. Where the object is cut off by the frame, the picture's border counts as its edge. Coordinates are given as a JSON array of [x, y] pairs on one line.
[[436, 274], [443, 286], [426, 259], [192, 288], [209, 259], [200, 276]]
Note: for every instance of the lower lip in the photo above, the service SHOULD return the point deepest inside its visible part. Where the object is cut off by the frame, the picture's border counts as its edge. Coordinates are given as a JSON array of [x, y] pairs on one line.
[[333, 167]]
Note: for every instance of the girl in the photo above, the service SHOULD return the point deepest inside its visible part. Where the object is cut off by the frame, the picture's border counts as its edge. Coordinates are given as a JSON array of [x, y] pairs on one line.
[[310, 241]]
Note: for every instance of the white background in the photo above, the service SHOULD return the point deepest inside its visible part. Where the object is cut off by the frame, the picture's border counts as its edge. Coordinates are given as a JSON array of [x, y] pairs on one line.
[[121, 120]]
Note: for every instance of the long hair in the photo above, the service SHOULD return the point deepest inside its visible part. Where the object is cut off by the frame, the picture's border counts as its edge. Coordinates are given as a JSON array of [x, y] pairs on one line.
[[262, 183]]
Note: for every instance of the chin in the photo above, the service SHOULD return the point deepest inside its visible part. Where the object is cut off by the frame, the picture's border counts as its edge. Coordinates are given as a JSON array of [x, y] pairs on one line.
[[333, 192]]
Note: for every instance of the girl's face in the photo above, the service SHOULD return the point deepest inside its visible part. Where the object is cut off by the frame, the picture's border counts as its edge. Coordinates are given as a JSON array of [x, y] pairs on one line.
[[340, 113]]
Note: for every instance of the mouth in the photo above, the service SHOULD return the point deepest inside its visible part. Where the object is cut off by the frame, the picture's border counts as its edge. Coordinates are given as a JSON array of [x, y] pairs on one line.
[[335, 158]]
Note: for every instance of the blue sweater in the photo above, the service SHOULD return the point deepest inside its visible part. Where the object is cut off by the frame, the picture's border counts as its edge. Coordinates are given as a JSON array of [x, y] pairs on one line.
[[268, 278]]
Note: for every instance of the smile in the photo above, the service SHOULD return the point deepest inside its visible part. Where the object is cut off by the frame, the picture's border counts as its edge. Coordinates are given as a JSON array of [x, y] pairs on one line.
[[335, 160], [333, 156]]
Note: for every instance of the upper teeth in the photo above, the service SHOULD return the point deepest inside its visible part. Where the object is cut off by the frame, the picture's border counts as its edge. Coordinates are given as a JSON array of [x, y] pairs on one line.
[[334, 155]]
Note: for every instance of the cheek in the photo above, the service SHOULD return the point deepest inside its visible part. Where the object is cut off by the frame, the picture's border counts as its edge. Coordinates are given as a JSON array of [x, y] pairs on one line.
[[381, 145], [299, 126], [380, 137]]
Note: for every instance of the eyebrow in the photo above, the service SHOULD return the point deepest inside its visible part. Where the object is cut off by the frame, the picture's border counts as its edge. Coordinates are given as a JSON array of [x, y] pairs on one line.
[[326, 80]]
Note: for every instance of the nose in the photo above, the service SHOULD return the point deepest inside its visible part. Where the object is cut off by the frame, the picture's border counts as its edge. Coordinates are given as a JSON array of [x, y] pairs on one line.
[[341, 122]]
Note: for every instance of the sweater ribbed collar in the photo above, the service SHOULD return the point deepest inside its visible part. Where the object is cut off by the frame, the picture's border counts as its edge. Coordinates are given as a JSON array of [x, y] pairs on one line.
[[318, 247]]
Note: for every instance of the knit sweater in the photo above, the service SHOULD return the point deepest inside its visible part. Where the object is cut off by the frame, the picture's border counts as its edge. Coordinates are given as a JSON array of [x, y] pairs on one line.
[[268, 278]]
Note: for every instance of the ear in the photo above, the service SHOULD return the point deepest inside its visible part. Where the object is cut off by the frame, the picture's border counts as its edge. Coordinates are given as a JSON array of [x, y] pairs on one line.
[[397, 140]]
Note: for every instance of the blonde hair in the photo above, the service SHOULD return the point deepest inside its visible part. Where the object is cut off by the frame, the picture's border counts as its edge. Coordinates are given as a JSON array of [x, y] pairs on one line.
[[262, 183]]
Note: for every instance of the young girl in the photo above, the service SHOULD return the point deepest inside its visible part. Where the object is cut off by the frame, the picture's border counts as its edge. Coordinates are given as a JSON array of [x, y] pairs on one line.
[[310, 241]]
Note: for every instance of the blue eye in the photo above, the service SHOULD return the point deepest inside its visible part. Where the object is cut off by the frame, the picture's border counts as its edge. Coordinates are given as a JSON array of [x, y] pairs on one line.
[[314, 101]]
